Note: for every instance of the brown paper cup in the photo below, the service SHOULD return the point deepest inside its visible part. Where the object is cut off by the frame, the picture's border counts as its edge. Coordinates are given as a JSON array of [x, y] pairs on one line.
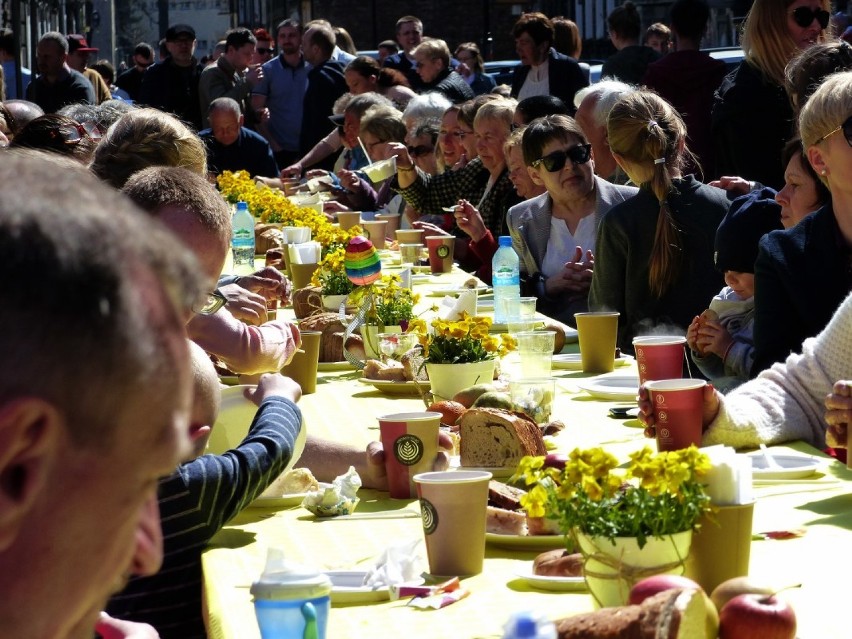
[[440, 252], [393, 222], [678, 407], [722, 547], [376, 232], [409, 236], [453, 506], [597, 334], [410, 442], [303, 367], [659, 357], [302, 274], [348, 219]]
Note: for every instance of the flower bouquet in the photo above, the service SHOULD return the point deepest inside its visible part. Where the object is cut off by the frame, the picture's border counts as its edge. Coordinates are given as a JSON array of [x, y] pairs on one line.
[[459, 353], [629, 523], [331, 278]]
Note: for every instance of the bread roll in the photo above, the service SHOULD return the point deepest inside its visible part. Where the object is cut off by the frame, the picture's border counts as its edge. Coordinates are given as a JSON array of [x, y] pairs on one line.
[[495, 438], [558, 563], [671, 614], [390, 372]]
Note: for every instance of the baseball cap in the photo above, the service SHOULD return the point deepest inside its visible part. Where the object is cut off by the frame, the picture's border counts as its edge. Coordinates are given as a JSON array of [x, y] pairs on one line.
[[177, 30], [76, 42]]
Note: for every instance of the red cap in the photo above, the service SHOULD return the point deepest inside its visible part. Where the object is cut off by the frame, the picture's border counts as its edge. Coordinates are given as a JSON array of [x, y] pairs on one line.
[[76, 42]]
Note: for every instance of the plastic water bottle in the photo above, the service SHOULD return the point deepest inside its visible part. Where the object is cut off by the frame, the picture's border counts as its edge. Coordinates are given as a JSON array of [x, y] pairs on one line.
[[506, 280], [526, 625], [242, 240]]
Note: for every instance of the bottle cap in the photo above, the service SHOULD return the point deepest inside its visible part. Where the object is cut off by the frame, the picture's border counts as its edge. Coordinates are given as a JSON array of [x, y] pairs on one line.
[[505, 240], [242, 206]]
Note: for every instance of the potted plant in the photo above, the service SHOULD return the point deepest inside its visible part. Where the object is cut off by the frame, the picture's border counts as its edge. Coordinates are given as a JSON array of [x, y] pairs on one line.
[[390, 309], [331, 277], [629, 523], [459, 353]]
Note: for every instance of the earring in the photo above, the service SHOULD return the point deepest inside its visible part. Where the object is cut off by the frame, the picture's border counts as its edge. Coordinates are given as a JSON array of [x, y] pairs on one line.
[[823, 173]]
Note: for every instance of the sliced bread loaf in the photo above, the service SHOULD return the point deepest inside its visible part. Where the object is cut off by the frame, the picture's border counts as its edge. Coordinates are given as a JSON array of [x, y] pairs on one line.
[[495, 438]]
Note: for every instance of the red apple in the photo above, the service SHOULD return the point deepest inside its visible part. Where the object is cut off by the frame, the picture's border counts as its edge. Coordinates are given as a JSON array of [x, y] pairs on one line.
[[729, 589], [555, 460], [757, 617], [658, 583]]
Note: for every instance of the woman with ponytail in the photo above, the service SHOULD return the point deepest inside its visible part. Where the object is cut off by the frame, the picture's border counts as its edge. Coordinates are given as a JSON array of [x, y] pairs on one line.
[[654, 252]]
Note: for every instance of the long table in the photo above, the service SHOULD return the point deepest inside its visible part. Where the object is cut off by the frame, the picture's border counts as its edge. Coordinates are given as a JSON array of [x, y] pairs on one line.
[[345, 409]]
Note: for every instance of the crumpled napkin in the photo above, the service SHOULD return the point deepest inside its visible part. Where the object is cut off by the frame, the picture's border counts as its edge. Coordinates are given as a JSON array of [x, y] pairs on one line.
[[338, 498], [451, 308], [399, 563]]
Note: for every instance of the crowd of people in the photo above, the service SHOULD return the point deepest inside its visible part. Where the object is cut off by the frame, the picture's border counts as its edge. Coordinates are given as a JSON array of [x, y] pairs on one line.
[[688, 199]]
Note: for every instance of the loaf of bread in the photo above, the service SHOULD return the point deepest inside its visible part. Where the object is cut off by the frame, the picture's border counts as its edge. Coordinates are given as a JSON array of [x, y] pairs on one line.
[[496, 438], [672, 614], [558, 563], [543, 526], [331, 343], [505, 496], [500, 521], [391, 371]]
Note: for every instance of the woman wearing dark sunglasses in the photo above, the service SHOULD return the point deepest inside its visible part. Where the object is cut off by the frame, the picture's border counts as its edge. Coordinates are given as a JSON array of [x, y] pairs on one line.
[[802, 274], [654, 255], [554, 234], [752, 117]]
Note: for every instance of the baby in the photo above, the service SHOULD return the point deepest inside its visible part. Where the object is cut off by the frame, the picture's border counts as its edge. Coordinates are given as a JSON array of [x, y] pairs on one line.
[[721, 338]]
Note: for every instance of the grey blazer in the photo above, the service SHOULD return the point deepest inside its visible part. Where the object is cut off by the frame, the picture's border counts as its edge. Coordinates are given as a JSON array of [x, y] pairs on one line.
[[529, 226]]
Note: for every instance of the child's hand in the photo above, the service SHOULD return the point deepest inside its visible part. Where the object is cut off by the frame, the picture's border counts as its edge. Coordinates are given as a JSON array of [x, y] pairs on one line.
[[692, 335], [714, 338]]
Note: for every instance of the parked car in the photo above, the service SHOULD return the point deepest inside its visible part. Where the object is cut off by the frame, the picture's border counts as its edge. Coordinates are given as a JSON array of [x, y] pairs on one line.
[[730, 56]]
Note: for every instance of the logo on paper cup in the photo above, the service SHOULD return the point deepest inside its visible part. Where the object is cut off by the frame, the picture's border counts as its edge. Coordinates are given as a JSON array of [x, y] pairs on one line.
[[664, 433], [366, 233], [430, 516], [443, 251], [663, 416], [408, 450]]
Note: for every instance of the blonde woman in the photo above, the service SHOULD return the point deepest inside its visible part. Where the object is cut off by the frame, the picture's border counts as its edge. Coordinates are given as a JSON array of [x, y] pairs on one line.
[[654, 252], [143, 138], [752, 116]]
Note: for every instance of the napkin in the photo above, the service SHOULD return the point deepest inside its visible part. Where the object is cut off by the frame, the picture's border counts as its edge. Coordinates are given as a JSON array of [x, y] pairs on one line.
[[338, 498], [399, 563], [729, 478], [451, 308], [297, 234], [304, 253], [405, 278]]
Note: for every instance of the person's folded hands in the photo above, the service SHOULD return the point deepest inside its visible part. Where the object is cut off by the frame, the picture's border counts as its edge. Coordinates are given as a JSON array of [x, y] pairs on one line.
[[838, 413], [243, 304]]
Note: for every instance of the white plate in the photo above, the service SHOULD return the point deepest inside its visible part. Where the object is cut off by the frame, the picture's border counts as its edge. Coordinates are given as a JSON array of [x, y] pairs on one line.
[[573, 362], [395, 388], [456, 290], [235, 416], [622, 388], [792, 466], [525, 542], [500, 472], [285, 501], [555, 584], [571, 335], [346, 587], [324, 367]]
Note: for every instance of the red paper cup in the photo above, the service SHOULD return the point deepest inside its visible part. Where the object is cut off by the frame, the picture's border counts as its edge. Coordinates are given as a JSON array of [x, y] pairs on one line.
[[410, 441], [659, 357], [440, 252], [677, 411]]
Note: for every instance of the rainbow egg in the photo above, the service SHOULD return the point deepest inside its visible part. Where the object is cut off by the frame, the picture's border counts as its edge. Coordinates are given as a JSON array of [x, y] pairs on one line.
[[362, 262]]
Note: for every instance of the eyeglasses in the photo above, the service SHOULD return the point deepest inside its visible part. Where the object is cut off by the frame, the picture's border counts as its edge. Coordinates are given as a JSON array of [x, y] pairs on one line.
[[264, 50], [456, 134], [805, 16], [420, 149], [212, 303], [555, 161], [846, 127], [74, 133]]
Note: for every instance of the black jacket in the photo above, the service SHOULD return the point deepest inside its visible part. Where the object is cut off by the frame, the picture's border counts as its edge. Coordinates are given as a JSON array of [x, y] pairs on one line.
[[451, 85], [564, 75], [168, 87], [326, 83]]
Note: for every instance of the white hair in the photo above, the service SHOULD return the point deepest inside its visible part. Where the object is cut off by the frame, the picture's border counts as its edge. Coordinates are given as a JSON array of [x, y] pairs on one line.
[[606, 93]]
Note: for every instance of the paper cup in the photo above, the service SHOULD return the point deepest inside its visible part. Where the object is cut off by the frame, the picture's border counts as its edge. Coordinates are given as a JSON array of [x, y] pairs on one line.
[[302, 274], [348, 219], [410, 442], [376, 231], [393, 222], [409, 236], [678, 407], [535, 350], [440, 252], [453, 507], [410, 253], [659, 357], [597, 334], [721, 548], [303, 367]]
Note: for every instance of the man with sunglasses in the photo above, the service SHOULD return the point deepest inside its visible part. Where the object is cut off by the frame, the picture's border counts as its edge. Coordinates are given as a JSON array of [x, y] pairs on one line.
[[131, 80], [554, 234]]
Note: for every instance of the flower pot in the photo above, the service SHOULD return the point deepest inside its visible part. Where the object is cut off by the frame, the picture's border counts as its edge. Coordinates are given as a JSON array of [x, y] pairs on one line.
[[611, 570], [370, 335], [333, 302], [448, 379]]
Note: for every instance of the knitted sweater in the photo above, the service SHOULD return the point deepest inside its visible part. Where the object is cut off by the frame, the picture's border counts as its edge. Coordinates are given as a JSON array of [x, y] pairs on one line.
[[785, 402]]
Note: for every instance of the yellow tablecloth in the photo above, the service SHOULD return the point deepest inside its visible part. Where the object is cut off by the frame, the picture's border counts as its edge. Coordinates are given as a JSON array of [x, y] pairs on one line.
[[345, 409]]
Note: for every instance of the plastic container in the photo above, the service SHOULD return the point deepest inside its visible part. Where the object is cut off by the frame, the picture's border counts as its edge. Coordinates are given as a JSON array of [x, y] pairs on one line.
[[506, 280], [527, 625], [242, 240]]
